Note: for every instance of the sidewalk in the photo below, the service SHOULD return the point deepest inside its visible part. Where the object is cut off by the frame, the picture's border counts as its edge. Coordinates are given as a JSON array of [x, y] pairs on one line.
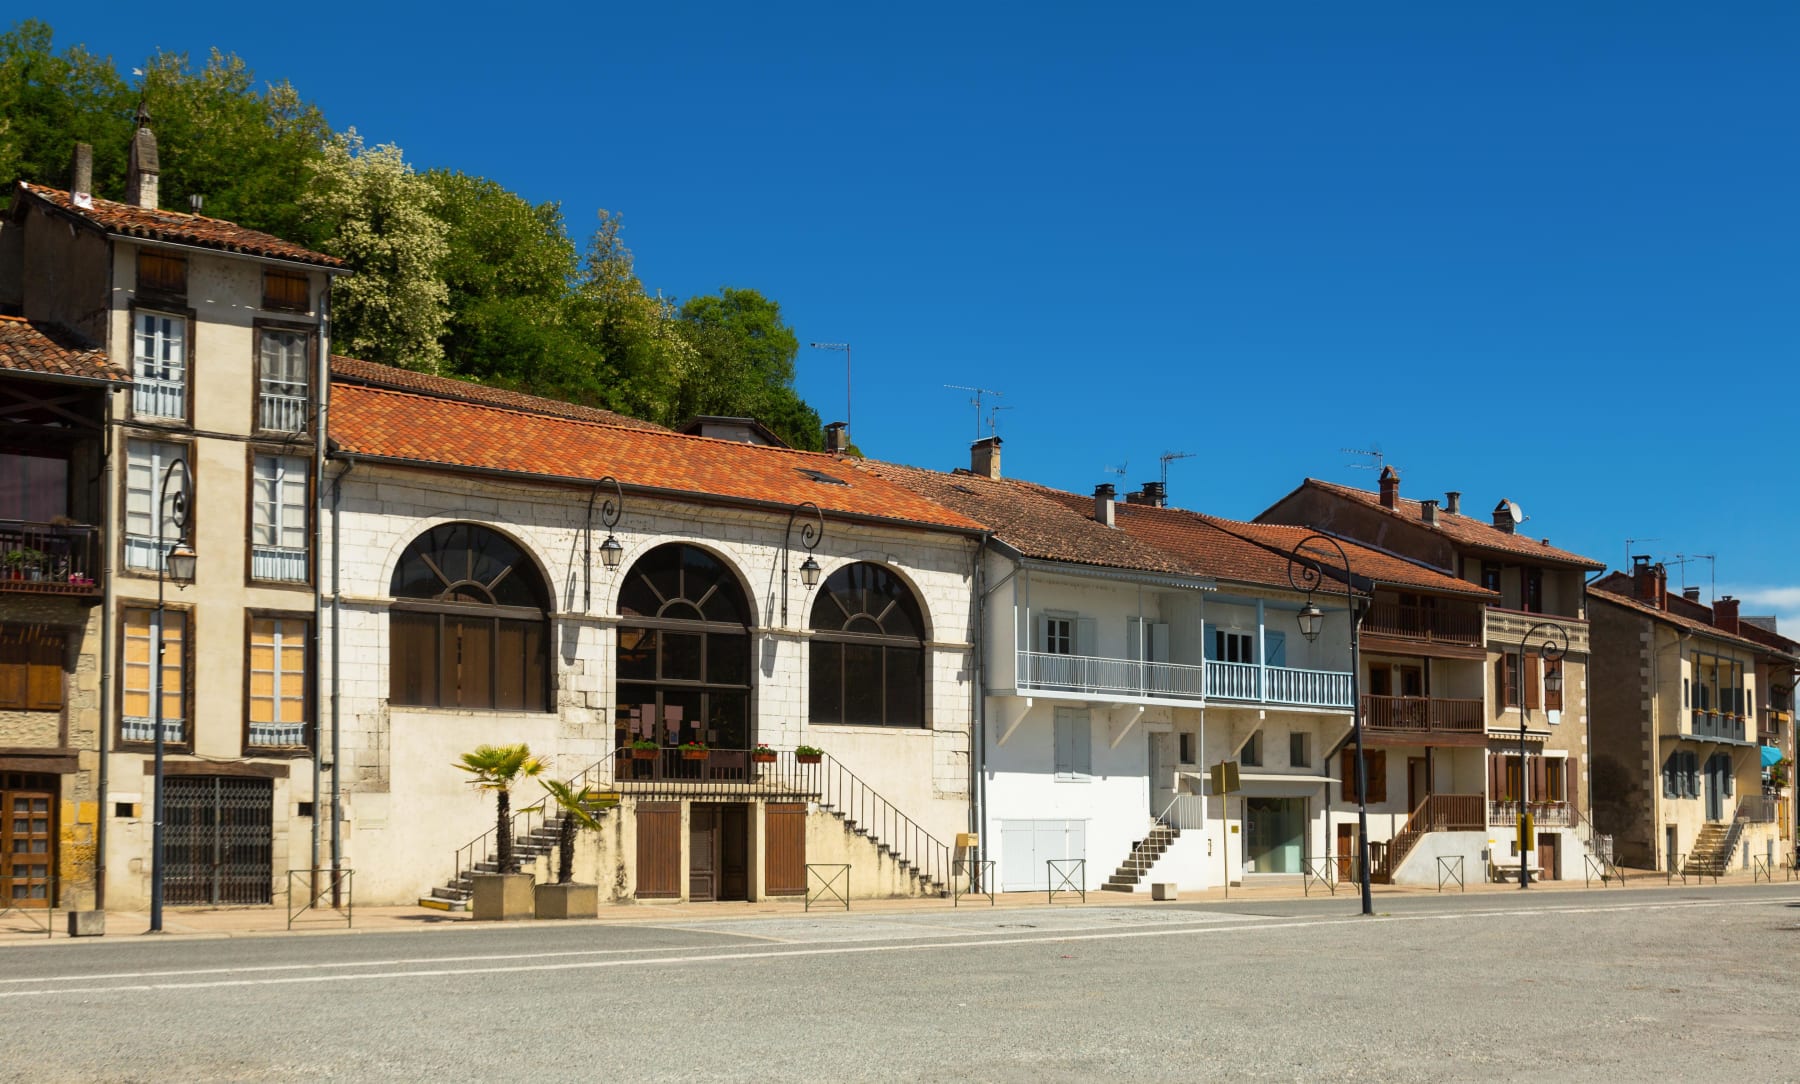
[[29, 927]]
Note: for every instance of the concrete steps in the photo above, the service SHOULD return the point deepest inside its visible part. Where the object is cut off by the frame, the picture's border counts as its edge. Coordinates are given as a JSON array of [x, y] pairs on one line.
[[1144, 855]]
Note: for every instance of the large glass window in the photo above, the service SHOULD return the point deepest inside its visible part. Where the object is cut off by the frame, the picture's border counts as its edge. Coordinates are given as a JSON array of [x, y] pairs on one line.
[[145, 463], [684, 652], [868, 650], [278, 649], [143, 683], [159, 366], [470, 625], [278, 518]]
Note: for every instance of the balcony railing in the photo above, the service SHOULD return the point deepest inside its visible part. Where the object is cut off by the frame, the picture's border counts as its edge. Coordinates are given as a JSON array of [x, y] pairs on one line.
[[132, 728], [1502, 813], [276, 735], [1759, 809], [281, 412], [278, 563], [1439, 624], [49, 559], [1712, 724], [1422, 714], [152, 398], [1047, 672]]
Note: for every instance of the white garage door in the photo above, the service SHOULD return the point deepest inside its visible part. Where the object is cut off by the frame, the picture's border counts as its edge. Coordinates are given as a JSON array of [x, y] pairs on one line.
[[1026, 845]]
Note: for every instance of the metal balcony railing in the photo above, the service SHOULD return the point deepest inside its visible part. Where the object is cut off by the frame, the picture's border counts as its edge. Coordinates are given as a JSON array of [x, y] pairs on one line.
[[277, 735], [1043, 671], [1503, 813], [153, 398], [280, 411], [132, 728], [1713, 724], [278, 563], [49, 559]]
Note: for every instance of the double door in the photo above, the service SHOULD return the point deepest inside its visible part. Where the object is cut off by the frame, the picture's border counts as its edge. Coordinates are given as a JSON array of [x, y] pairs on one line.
[[217, 839]]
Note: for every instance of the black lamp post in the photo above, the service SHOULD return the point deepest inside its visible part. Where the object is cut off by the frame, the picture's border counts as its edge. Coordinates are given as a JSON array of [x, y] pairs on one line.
[[1306, 573], [178, 560], [1551, 652], [611, 552], [810, 534]]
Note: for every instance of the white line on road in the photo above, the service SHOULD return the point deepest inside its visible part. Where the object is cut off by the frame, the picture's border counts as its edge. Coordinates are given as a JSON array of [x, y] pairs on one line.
[[839, 950]]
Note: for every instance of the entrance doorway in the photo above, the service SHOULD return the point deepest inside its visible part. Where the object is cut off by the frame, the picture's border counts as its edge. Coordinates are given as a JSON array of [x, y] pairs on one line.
[[718, 852], [1418, 781], [1346, 852], [1274, 834], [1718, 775], [218, 839], [27, 839], [1549, 855]]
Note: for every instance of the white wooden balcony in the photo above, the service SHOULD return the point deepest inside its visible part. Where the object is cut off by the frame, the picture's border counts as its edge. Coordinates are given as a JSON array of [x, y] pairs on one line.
[[1103, 678]]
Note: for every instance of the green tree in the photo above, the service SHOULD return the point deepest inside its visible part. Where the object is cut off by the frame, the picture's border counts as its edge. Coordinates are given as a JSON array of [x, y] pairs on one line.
[[498, 768], [50, 101], [575, 816], [638, 354], [744, 365], [379, 217]]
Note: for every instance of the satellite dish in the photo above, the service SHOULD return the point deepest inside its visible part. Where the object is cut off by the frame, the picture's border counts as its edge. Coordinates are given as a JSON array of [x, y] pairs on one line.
[[1514, 512]]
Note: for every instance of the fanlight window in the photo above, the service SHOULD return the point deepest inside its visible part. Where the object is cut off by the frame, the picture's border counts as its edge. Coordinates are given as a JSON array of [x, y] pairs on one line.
[[868, 650], [684, 652], [470, 626]]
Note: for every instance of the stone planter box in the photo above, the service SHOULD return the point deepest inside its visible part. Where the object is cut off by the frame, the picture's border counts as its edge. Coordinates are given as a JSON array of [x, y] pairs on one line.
[[502, 896], [567, 901]]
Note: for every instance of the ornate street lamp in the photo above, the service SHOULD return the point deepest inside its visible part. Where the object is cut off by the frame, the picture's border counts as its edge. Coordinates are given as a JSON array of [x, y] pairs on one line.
[[179, 561], [611, 552], [1307, 573], [810, 534], [1551, 652]]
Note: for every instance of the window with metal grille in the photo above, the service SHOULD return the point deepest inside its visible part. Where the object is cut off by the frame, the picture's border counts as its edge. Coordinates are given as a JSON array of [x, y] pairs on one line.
[[278, 650], [278, 527]]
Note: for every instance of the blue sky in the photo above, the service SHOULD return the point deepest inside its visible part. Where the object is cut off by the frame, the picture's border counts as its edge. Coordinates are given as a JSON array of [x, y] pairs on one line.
[[1544, 253]]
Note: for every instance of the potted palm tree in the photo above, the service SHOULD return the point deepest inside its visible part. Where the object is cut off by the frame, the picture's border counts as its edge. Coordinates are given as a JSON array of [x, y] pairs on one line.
[[565, 898], [505, 893]]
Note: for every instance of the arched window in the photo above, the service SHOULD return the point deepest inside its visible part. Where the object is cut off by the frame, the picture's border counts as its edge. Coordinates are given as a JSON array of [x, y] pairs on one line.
[[470, 625], [684, 651], [868, 650]]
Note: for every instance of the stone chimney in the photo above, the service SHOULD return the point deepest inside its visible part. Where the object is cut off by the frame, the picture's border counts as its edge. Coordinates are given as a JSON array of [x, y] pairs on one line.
[[142, 167], [1503, 518], [984, 457], [1692, 594], [1390, 487], [81, 176], [1151, 494], [1103, 504], [1453, 502], [1428, 512], [1649, 583], [1725, 615], [837, 438]]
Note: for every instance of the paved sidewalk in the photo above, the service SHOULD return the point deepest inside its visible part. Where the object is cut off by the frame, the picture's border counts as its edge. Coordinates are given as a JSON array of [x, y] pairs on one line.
[[29, 927]]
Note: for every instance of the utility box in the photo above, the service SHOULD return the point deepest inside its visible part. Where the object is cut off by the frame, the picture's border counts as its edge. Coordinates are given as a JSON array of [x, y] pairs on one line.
[[1164, 890]]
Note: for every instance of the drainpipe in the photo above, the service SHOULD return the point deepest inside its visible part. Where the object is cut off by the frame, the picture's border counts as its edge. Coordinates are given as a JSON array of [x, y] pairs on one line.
[[106, 656], [337, 772], [321, 433], [977, 702]]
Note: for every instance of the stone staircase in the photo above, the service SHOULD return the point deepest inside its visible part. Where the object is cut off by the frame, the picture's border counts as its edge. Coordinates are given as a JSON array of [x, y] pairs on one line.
[[1711, 854], [538, 841], [1144, 854], [928, 885]]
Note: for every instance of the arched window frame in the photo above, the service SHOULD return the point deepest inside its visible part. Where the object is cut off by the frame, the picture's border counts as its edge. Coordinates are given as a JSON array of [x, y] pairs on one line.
[[447, 649], [867, 636], [683, 672]]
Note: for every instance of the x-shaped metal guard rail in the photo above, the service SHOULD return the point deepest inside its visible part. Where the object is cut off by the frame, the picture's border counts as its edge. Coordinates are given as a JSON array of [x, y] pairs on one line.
[[1598, 867], [324, 890], [1760, 871], [979, 881], [1450, 868], [1318, 871], [827, 881], [1067, 876], [30, 914]]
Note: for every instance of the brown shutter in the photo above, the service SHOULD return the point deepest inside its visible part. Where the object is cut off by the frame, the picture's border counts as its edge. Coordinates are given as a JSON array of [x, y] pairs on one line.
[[1377, 766], [785, 845], [1503, 689], [1572, 788], [44, 681], [1531, 680], [1553, 701], [658, 850], [1540, 778], [1496, 779], [15, 665], [1347, 773]]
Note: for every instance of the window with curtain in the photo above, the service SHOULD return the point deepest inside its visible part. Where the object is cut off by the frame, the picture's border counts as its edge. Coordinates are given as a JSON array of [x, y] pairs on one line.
[[145, 463], [159, 366], [683, 651], [281, 402], [278, 520], [867, 656], [470, 624]]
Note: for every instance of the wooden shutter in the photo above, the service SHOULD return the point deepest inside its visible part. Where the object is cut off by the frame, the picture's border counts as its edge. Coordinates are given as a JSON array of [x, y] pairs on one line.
[[44, 676], [1572, 786], [1496, 779], [784, 873], [1377, 766], [1540, 778], [1531, 681], [1347, 775], [15, 664], [659, 850], [1553, 699], [1506, 682]]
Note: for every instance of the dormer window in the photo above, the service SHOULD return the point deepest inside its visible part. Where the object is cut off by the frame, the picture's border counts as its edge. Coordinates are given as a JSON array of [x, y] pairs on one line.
[[161, 273], [288, 291]]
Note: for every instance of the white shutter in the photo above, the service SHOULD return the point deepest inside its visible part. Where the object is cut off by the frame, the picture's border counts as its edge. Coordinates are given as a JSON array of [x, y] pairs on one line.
[[1082, 736], [1159, 643], [1134, 638], [1087, 635], [1064, 742]]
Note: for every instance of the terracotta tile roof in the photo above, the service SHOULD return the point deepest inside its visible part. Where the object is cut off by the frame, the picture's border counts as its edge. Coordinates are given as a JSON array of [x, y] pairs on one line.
[[1035, 520], [354, 371], [174, 226], [1617, 590], [29, 346], [1465, 530], [385, 424]]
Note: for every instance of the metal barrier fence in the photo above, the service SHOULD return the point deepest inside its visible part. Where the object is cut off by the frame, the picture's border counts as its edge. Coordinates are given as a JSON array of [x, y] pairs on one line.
[[29, 915], [1318, 871], [1067, 876], [977, 876], [827, 881], [1602, 868], [321, 891], [1760, 871], [1450, 868]]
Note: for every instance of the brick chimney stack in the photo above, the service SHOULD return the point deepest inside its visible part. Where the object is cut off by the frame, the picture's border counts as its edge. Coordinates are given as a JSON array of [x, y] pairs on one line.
[[1428, 512], [1692, 594], [1649, 582], [1725, 615], [1453, 502], [142, 167], [984, 457], [1103, 504], [1390, 487], [837, 438]]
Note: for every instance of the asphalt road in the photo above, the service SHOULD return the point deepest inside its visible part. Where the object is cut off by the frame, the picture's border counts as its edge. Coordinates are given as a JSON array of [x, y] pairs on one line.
[[1697, 984]]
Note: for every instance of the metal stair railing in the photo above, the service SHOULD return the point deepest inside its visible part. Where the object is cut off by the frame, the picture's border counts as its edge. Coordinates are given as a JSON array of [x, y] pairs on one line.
[[865, 810], [1165, 819], [526, 821]]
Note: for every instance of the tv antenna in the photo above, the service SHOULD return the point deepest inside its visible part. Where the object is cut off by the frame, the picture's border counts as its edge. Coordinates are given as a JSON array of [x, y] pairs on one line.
[[1373, 451], [976, 401], [1124, 465], [994, 419], [1166, 457], [1684, 559], [1628, 544], [845, 347]]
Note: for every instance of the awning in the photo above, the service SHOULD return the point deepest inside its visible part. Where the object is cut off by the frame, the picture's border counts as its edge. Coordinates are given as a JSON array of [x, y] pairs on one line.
[[1771, 756]]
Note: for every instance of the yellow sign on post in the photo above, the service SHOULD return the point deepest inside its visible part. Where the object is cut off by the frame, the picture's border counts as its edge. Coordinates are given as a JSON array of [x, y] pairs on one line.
[[1527, 837], [1225, 781], [1225, 778]]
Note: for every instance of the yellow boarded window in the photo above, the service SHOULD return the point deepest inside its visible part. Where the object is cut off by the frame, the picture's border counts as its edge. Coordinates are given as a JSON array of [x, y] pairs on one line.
[[140, 649], [277, 670]]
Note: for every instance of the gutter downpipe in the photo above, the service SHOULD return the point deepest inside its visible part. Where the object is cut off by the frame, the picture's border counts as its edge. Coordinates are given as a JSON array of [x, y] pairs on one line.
[[977, 703], [337, 845], [321, 434], [106, 670]]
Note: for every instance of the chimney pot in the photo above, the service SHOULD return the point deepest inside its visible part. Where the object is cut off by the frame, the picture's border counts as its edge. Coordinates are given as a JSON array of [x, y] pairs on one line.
[[1692, 594], [1103, 504], [1156, 494], [81, 175], [1725, 614], [1390, 487], [837, 438], [1453, 502], [1428, 512], [142, 166], [984, 457], [1649, 582]]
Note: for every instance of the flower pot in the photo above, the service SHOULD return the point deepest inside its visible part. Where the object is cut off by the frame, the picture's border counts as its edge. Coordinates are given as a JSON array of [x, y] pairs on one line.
[[809, 758], [644, 754], [502, 896], [763, 758], [694, 754], [567, 901]]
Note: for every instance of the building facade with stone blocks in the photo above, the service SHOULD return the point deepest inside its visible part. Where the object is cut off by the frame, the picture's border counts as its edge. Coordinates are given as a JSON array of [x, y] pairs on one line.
[[763, 600], [1477, 707], [1689, 697]]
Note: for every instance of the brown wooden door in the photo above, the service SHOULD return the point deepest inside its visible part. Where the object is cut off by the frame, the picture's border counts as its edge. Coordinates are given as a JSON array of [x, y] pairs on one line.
[[703, 852], [1418, 782], [658, 850], [784, 849], [1548, 853], [27, 842], [734, 852], [1346, 852]]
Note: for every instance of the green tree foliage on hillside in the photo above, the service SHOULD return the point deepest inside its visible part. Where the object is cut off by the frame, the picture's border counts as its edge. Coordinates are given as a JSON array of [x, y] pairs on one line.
[[450, 273]]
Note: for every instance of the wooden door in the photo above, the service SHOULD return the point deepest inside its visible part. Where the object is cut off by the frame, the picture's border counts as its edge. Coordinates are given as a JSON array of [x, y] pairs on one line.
[[27, 844], [734, 852], [658, 850], [1548, 853], [784, 849], [1418, 782], [703, 852], [1346, 852]]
